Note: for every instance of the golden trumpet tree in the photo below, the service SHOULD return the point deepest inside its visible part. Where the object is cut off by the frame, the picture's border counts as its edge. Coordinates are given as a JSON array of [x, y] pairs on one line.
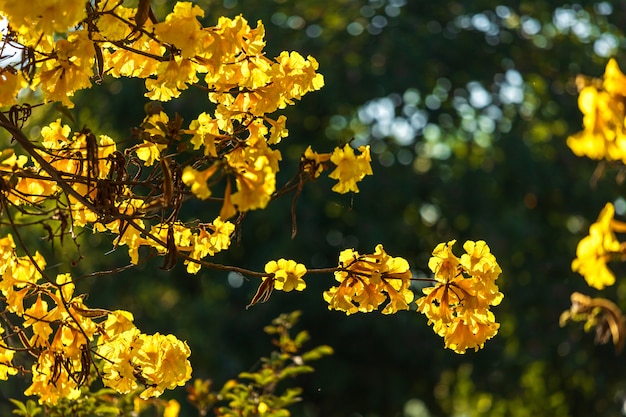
[[133, 190]]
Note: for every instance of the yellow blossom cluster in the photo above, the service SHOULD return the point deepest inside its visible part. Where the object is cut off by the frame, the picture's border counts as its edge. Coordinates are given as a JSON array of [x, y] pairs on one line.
[[287, 274], [350, 168], [84, 43], [367, 281], [458, 305], [68, 339], [134, 190], [86, 164], [599, 247], [602, 104]]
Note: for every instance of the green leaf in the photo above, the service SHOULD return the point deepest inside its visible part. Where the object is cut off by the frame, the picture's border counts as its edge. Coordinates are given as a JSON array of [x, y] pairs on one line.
[[295, 370], [21, 407], [301, 338], [317, 353], [30, 409], [107, 410]]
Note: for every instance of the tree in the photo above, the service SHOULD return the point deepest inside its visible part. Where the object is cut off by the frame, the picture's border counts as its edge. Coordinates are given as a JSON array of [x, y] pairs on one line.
[[136, 191]]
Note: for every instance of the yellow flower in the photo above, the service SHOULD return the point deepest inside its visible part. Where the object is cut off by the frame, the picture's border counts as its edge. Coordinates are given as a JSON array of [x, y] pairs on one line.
[[51, 382], [32, 190], [365, 279], [297, 76], [197, 180], [164, 363], [604, 133], [132, 238], [220, 238], [6, 367], [71, 70], [172, 77], [39, 319], [122, 62], [110, 26], [314, 162], [458, 305], [205, 243], [117, 322], [597, 248], [614, 81], [45, 15], [278, 129], [182, 29], [350, 168], [149, 152], [118, 351], [10, 84], [205, 132], [255, 176], [172, 409], [287, 274]]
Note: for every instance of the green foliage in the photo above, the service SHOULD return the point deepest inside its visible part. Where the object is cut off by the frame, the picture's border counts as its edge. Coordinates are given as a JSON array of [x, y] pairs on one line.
[[538, 395], [28, 409], [261, 392]]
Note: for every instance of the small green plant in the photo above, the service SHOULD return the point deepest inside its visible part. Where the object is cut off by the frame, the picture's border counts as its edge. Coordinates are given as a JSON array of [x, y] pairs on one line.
[[261, 392]]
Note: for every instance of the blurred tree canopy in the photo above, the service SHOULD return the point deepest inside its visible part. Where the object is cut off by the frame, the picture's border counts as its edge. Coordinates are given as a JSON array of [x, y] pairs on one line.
[[467, 107]]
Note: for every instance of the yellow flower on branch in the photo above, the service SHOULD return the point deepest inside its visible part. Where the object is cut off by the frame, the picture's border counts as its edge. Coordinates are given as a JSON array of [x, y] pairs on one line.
[[206, 132], [126, 63], [294, 76], [366, 281], [198, 180], [10, 84], [159, 362], [51, 380], [598, 248], [6, 357], [255, 176], [458, 305], [604, 133], [70, 71], [182, 29], [287, 274], [205, 243], [173, 76], [111, 26], [351, 168], [44, 15], [163, 361], [314, 162]]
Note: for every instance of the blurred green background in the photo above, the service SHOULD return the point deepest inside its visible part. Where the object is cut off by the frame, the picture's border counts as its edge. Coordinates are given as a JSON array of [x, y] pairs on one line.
[[466, 106]]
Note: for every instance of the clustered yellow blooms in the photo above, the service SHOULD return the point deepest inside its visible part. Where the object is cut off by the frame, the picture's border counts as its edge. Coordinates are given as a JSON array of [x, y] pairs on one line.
[[598, 248], [34, 186], [602, 102], [287, 275], [458, 305], [350, 168], [171, 55], [603, 137], [68, 338], [85, 178], [602, 105], [67, 53], [66, 47], [365, 279]]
